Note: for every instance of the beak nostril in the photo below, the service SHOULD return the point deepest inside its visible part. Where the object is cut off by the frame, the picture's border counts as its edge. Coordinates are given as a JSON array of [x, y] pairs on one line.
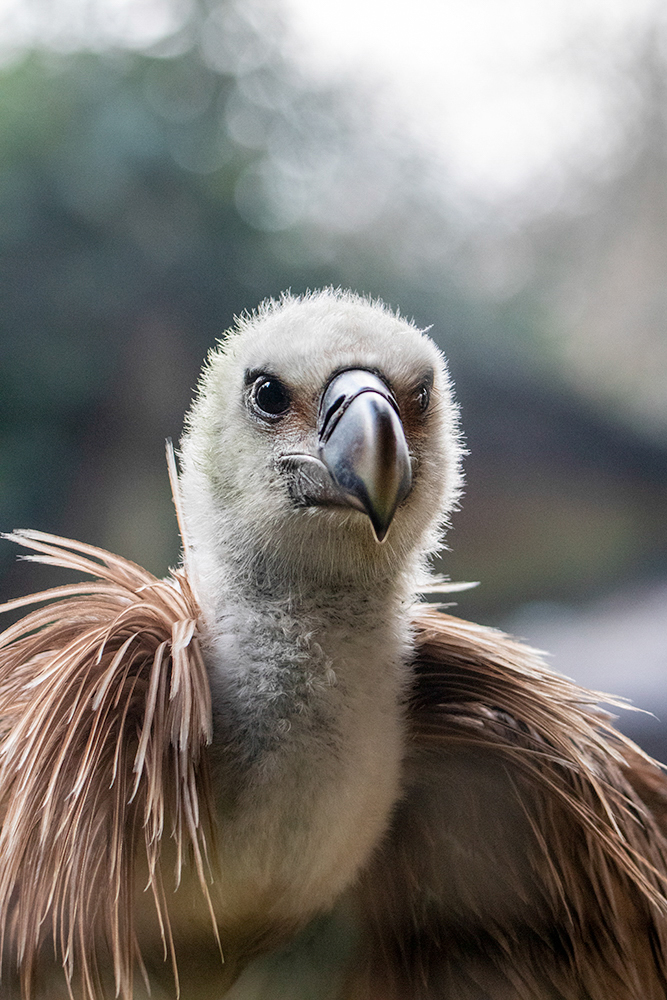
[[335, 406]]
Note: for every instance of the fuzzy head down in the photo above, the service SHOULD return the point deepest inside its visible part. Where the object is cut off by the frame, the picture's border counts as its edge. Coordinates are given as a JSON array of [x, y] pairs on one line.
[[236, 496]]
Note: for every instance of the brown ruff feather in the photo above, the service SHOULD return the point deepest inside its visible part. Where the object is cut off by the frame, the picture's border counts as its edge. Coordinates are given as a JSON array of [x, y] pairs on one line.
[[105, 706], [582, 907], [496, 692]]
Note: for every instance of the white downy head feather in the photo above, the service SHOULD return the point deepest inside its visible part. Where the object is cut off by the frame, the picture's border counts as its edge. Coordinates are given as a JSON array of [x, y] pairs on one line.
[[236, 507]]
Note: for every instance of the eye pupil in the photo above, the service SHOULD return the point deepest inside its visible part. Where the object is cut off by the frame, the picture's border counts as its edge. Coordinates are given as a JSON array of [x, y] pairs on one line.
[[272, 397]]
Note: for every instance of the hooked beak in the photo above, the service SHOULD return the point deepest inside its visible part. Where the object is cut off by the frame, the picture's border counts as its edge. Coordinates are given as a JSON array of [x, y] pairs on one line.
[[363, 446]]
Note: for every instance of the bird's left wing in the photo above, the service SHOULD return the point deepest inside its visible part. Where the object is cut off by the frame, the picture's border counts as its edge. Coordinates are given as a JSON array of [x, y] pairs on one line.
[[527, 858], [104, 712]]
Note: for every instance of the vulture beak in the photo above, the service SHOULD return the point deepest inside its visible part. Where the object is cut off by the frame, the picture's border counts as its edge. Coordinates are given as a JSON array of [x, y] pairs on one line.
[[362, 445], [361, 457]]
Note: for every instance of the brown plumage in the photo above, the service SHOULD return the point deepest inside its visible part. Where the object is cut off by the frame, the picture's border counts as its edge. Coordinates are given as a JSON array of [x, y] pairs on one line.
[[563, 895], [106, 710], [104, 756], [191, 769]]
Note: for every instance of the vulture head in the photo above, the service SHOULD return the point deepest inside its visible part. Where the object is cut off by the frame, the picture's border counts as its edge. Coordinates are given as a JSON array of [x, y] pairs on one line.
[[323, 445]]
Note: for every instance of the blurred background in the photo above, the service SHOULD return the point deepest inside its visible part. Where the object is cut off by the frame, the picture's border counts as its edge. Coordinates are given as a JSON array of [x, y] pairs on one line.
[[498, 170]]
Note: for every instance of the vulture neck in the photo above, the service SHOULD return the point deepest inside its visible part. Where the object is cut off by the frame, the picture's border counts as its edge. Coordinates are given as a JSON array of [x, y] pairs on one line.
[[308, 686], [280, 645]]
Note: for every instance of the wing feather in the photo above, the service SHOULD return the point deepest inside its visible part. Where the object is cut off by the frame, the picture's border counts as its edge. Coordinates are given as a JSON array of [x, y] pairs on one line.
[[105, 708], [528, 857]]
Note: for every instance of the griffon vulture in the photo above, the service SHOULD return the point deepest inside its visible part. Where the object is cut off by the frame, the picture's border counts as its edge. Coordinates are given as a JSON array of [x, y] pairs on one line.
[[193, 769]]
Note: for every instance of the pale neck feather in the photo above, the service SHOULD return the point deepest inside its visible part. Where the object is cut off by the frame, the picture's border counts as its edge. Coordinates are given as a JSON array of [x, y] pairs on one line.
[[308, 689]]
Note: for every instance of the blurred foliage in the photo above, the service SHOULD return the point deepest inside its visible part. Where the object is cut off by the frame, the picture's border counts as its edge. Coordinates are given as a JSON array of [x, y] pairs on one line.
[[147, 197]]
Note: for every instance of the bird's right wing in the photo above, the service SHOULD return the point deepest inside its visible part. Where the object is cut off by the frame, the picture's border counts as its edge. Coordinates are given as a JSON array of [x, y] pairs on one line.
[[527, 858]]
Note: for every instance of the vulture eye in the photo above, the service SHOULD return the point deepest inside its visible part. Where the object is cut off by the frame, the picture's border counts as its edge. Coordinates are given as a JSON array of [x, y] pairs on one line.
[[423, 398], [271, 397]]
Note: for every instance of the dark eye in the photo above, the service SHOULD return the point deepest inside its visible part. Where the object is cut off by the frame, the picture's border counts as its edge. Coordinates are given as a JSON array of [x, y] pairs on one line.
[[423, 398], [272, 397]]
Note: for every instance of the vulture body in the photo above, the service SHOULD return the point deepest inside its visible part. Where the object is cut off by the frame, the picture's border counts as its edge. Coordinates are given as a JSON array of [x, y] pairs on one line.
[[195, 769]]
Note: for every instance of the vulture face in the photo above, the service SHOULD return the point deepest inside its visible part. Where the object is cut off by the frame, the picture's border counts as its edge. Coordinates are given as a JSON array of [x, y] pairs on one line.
[[324, 426]]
